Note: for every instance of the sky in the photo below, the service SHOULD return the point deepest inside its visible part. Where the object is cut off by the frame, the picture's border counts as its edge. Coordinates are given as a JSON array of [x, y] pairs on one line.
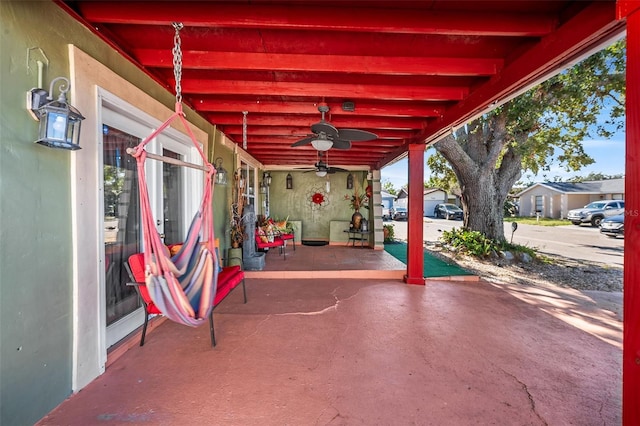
[[609, 156]]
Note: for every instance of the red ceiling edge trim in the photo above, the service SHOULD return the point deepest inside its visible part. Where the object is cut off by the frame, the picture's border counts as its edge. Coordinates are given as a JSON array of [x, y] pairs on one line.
[[626, 8]]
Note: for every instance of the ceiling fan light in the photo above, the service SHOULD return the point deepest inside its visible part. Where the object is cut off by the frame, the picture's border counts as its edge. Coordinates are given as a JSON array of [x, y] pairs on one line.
[[322, 144], [321, 173]]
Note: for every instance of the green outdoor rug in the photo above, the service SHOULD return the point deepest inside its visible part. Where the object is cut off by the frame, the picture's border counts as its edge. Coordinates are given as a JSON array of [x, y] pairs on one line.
[[433, 267]]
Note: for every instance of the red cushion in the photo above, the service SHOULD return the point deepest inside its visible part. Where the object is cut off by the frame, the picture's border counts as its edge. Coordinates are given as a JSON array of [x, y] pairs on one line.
[[228, 279], [138, 268]]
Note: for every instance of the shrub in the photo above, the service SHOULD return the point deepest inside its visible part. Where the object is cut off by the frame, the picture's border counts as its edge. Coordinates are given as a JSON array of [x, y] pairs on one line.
[[476, 244], [389, 233]]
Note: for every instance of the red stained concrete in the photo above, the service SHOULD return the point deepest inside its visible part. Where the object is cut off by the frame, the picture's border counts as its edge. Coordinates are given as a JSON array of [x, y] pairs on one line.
[[339, 351]]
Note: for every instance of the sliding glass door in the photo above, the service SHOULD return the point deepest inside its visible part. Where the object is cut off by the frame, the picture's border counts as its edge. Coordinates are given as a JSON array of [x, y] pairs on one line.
[[173, 192]]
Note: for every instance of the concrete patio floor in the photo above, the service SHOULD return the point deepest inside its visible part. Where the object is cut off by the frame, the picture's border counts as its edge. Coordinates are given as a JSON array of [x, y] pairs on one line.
[[363, 351]]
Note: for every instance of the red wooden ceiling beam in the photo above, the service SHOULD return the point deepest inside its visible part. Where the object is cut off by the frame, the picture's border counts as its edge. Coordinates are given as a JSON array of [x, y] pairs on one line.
[[322, 18], [387, 65], [301, 132], [382, 145], [222, 119], [362, 108], [348, 91]]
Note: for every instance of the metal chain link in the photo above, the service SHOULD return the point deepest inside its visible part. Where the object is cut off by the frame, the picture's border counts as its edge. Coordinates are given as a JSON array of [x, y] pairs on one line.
[[244, 129], [177, 61]]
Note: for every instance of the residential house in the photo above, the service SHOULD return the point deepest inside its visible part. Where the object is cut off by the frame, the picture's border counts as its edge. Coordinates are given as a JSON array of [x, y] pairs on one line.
[[555, 199], [430, 197]]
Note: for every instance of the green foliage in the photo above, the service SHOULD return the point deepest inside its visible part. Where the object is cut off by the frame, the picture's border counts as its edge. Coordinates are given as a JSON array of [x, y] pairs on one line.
[[470, 242], [474, 243], [390, 233], [549, 122], [594, 176], [387, 186], [510, 208], [442, 175]]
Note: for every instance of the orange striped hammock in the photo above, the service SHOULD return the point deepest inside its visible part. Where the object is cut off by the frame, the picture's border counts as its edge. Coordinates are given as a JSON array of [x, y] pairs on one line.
[[182, 286]]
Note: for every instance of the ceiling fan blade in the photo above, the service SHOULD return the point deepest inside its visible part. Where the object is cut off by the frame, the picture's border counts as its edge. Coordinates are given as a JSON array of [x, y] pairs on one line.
[[341, 144], [336, 169], [355, 135], [324, 127], [304, 141]]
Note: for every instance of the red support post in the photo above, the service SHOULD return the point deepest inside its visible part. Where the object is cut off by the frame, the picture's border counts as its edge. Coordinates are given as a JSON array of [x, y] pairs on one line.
[[415, 212], [631, 321]]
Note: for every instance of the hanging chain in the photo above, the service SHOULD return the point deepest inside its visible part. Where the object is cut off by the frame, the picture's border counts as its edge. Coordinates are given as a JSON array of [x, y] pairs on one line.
[[244, 129], [177, 61]]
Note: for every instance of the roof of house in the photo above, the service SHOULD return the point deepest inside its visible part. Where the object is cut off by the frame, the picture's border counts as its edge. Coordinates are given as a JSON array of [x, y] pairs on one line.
[[608, 186], [430, 190]]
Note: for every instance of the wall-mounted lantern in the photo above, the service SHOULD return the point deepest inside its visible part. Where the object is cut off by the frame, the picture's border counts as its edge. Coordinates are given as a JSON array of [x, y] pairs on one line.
[[289, 181], [59, 120], [349, 181], [221, 172], [266, 179]]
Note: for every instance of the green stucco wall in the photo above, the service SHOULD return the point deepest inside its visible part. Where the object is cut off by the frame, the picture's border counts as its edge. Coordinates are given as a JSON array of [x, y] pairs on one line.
[[36, 299], [296, 203], [35, 229]]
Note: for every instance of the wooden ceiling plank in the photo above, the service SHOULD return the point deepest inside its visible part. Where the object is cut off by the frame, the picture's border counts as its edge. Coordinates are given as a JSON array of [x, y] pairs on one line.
[[265, 88], [384, 65], [294, 120], [300, 17], [362, 108], [279, 131]]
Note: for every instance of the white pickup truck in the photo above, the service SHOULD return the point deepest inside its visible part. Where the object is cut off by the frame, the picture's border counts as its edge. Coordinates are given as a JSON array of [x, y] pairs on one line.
[[594, 212]]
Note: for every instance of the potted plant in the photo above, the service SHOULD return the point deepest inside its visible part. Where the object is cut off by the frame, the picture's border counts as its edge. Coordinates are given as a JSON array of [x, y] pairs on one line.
[[237, 235], [359, 199], [389, 233]]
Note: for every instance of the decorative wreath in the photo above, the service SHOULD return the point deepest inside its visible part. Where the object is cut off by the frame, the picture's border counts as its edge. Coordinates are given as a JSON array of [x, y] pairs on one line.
[[318, 198]]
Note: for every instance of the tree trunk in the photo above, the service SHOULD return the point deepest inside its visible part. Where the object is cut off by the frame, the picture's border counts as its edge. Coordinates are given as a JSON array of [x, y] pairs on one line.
[[474, 155], [483, 206]]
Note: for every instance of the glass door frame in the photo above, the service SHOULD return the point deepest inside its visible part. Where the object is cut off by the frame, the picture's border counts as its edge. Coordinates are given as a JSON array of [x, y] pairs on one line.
[[117, 113]]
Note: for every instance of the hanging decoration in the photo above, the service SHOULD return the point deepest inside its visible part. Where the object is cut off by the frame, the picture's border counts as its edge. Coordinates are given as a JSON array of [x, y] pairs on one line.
[[318, 198]]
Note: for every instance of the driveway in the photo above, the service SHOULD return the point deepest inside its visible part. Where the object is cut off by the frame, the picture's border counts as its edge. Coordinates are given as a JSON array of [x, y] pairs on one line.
[[574, 242]]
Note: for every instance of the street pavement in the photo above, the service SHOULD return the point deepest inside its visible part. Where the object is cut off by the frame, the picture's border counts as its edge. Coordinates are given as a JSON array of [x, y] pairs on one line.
[[574, 242]]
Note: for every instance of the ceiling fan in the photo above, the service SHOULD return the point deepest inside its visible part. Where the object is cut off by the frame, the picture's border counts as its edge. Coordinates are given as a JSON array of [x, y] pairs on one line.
[[322, 168], [326, 136]]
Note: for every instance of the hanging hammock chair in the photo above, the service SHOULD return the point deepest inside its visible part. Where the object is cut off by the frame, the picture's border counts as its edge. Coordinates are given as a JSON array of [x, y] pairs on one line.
[[182, 286]]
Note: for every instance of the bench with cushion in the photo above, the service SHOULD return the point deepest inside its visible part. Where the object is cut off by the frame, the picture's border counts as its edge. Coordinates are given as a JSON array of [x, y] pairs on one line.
[[262, 243], [228, 278]]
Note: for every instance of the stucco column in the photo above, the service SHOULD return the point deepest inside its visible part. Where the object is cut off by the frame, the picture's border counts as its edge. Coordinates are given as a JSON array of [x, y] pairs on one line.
[[415, 207], [378, 234]]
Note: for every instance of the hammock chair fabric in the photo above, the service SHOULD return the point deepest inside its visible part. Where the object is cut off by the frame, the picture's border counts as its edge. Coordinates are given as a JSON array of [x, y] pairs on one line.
[[182, 286]]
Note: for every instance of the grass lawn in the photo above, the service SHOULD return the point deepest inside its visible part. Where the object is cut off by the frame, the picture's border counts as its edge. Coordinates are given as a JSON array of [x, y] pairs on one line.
[[543, 221]]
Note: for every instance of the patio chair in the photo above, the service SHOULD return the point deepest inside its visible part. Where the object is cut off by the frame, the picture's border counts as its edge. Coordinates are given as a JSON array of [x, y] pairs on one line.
[[266, 245]]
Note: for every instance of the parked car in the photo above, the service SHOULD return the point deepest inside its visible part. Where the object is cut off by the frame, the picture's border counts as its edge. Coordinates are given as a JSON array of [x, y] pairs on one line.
[[613, 226], [448, 211], [594, 212], [400, 213], [386, 213]]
